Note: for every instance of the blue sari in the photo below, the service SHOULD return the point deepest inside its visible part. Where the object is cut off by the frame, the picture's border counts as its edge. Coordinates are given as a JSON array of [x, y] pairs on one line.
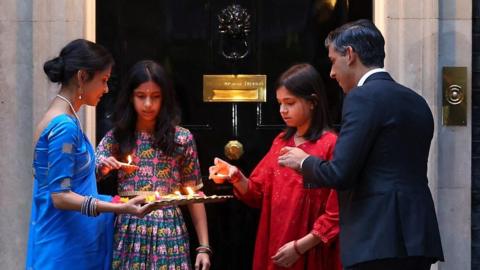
[[64, 161]]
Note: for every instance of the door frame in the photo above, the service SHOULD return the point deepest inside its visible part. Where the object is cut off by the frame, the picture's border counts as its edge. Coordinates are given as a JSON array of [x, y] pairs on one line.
[[90, 34]]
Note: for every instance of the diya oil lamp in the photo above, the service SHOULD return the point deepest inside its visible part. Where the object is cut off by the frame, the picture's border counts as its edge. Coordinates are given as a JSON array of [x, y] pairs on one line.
[[218, 178], [128, 167]]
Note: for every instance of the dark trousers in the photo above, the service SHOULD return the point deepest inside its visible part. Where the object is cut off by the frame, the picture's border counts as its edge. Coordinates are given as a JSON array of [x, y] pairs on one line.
[[407, 263]]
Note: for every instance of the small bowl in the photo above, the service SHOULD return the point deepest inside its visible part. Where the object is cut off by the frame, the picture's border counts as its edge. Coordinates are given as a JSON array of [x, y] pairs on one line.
[[218, 178], [128, 168]]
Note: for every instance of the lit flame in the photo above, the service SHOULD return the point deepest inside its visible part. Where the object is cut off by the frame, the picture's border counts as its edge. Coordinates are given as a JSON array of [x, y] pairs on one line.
[[331, 4], [129, 158], [178, 193], [157, 195], [190, 191]]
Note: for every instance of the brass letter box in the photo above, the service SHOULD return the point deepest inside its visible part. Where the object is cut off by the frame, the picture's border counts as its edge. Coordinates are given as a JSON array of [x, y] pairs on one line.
[[454, 80], [234, 88]]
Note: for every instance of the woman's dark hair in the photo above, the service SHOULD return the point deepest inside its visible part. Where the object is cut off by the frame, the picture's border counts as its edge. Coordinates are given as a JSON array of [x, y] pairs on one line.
[[303, 81], [125, 116], [364, 38], [79, 54]]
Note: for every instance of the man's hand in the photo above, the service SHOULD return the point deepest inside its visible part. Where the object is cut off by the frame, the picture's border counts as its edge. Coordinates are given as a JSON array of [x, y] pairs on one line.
[[291, 157]]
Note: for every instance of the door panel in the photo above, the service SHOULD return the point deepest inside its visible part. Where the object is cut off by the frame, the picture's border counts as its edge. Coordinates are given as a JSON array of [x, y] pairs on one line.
[[183, 36]]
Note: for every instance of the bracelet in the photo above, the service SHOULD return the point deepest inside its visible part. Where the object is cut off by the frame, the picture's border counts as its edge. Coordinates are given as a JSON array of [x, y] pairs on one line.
[[295, 247], [206, 252], [95, 208], [89, 206], [204, 245], [204, 249]]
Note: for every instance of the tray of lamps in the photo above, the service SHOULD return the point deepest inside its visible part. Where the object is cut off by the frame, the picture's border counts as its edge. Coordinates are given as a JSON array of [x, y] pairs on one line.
[[177, 198]]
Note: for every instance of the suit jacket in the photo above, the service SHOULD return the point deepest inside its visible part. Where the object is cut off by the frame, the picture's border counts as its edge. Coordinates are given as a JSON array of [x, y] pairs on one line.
[[379, 167]]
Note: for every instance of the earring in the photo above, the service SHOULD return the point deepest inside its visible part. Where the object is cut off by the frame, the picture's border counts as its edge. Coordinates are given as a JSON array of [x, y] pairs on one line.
[[80, 95]]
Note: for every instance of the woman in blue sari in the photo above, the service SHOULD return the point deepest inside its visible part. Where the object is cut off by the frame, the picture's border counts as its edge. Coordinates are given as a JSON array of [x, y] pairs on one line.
[[71, 224]]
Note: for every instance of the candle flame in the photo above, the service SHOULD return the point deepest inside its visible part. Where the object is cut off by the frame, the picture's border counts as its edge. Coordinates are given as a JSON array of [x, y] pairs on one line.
[[190, 191], [178, 193], [129, 158]]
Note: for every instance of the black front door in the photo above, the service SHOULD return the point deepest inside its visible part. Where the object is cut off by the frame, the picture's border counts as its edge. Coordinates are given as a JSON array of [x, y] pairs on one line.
[[183, 36]]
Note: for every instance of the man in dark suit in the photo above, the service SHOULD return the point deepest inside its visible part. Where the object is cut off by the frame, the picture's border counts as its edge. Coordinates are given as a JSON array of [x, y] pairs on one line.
[[379, 167]]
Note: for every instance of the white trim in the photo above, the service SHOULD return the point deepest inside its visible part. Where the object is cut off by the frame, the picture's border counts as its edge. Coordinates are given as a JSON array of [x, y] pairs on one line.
[[370, 72], [379, 19]]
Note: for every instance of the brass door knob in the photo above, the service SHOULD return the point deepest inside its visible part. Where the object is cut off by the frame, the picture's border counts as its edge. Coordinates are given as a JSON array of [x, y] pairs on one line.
[[233, 150]]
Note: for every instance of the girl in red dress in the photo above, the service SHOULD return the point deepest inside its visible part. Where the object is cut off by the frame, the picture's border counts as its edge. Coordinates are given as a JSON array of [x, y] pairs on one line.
[[298, 227]]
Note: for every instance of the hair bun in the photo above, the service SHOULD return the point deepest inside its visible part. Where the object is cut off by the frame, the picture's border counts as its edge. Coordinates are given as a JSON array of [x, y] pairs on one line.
[[54, 69]]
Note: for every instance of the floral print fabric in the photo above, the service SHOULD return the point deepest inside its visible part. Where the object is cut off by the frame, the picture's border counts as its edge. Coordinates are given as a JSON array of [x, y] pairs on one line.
[[160, 239]]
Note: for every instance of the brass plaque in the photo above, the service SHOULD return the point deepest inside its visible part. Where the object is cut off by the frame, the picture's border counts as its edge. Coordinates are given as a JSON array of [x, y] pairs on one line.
[[235, 88], [454, 86]]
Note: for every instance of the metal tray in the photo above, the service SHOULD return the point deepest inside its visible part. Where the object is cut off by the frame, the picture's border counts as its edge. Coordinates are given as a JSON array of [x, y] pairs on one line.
[[189, 200]]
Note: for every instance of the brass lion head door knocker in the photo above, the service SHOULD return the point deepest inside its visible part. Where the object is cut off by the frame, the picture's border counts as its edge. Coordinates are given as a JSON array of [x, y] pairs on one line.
[[234, 29]]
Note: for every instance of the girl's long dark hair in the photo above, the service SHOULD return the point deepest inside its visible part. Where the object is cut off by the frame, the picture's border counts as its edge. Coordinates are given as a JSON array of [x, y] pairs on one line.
[[303, 81], [125, 116]]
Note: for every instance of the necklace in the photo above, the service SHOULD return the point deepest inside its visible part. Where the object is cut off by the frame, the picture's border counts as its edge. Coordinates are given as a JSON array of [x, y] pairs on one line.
[[298, 139], [71, 107]]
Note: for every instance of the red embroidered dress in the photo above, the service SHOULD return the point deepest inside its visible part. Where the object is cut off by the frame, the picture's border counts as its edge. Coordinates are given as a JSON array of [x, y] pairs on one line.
[[289, 211]]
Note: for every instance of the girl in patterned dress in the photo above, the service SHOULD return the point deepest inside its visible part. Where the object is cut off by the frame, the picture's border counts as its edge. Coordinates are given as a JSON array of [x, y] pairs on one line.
[[145, 127]]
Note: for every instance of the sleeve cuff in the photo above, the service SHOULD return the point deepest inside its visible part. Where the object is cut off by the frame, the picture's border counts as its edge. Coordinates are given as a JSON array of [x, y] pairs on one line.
[[322, 238], [309, 180], [301, 162]]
